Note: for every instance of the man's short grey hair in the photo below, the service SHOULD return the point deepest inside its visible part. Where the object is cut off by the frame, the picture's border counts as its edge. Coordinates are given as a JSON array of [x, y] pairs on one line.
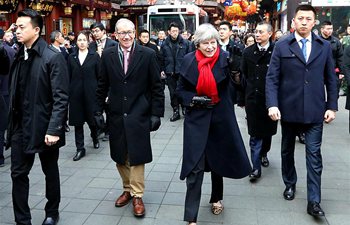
[[269, 26], [205, 32], [123, 21]]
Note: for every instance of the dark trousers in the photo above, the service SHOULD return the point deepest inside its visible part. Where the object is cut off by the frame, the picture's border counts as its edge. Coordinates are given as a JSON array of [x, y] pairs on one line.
[[21, 165], [2, 141], [258, 148], [79, 136], [172, 84], [313, 140], [3, 124], [194, 190]]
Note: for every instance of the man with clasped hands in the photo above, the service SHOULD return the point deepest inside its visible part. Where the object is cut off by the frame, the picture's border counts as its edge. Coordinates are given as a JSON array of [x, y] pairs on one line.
[[130, 76]]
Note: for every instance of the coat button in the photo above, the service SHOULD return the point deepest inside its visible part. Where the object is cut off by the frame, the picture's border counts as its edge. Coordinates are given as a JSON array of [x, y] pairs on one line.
[[306, 70], [125, 98], [257, 64], [125, 82], [306, 82], [125, 114]]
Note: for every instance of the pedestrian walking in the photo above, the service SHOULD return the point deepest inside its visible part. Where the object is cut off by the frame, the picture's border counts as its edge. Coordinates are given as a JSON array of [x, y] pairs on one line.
[[261, 128], [301, 91], [205, 88], [173, 50], [130, 73], [83, 67], [38, 103]]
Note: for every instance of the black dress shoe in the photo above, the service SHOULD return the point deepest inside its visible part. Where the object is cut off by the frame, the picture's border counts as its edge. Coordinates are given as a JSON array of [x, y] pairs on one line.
[[96, 143], [80, 154], [314, 209], [289, 193], [265, 161], [50, 221], [254, 175]]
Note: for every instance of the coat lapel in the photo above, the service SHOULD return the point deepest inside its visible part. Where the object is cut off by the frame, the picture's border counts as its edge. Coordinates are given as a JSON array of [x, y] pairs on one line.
[[316, 48], [296, 50], [135, 59]]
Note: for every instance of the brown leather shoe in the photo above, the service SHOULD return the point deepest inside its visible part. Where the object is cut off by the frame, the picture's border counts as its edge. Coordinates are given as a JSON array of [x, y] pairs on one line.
[[123, 199], [139, 207]]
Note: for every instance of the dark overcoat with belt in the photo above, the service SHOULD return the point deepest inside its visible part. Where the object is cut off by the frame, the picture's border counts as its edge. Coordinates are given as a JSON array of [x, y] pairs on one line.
[[134, 97], [45, 100], [82, 89], [302, 90], [254, 67], [213, 132]]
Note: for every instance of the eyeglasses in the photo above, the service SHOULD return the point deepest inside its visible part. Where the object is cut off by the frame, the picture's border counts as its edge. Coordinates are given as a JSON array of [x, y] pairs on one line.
[[123, 34], [95, 31]]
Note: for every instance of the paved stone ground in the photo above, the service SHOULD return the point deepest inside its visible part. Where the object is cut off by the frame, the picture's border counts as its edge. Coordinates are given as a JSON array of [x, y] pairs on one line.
[[91, 185]]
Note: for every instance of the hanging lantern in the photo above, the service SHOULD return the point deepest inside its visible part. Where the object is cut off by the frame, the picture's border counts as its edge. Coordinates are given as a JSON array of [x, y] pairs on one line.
[[90, 13], [67, 10]]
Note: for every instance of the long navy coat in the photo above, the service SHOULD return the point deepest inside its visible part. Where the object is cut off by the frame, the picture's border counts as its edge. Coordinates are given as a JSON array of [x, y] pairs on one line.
[[82, 88], [133, 98], [213, 132], [347, 74], [254, 68], [297, 87]]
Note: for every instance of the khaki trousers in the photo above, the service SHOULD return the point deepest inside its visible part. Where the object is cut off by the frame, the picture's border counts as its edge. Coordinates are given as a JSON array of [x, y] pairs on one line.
[[133, 178]]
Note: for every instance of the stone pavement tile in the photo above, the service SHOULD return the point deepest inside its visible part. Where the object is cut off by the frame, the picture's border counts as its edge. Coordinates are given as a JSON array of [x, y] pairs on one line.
[[339, 193], [228, 216], [4, 186], [170, 212], [152, 197], [306, 219], [178, 187], [6, 215], [164, 167], [102, 183], [102, 220], [272, 204], [109, 173], [87, 172], [168, 160], [77, 181], [71, 191], [338, 219], [159, 176], [68, 171], [108, 208], [113, 193], [268, 191], [73, 218], [128, 220], [336, 183], [64, 202], [93, 193], [95, 164], [157, 186], [238, 189], [239, 202], [336, 207], [266, 217], [174, 199], [158, 221], [81, 205], [173, 152], [5, 198]]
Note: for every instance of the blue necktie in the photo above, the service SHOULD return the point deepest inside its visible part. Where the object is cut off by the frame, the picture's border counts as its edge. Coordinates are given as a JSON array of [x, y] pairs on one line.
[[303, 48]]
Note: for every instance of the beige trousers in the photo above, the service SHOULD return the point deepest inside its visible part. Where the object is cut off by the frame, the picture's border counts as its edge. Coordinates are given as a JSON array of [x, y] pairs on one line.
[[133, 178]]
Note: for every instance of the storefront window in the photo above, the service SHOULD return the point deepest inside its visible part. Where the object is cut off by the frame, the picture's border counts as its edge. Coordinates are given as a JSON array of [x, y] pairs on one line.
[[87, 22]]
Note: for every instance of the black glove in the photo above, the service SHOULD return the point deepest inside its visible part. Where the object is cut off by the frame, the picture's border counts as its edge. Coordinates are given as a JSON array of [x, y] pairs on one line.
[[201, 102], [234, 61], [99, 120], [154, 123]]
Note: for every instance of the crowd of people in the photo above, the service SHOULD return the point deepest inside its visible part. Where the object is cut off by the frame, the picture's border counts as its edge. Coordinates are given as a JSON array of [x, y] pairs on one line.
[[117, 88]]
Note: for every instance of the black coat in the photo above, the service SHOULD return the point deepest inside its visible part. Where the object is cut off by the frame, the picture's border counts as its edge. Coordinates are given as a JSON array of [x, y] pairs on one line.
[[82, 89], [173, 54], [45, 99], [347, 74], [254, 67], [109, 43], [133, 98], [213, 132]]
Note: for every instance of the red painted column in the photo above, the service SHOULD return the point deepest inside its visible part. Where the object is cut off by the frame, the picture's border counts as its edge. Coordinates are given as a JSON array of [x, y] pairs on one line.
[[77, 20]]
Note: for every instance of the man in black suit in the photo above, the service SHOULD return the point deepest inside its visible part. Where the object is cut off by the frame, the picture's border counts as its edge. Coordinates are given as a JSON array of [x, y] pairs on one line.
[[57, 41], [38, 105], [129, 74], [102, 42]]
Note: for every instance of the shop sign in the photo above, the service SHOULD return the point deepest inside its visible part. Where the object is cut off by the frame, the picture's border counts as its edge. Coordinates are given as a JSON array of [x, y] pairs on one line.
[[8, 5], [330, 3]]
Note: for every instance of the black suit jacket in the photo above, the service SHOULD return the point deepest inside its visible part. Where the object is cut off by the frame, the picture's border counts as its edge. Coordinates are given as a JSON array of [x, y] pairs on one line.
[[109, 43]]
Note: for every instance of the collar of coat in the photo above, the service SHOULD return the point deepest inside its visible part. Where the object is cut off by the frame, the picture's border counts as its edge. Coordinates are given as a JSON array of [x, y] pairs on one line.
[[189, 68], [291, 38]]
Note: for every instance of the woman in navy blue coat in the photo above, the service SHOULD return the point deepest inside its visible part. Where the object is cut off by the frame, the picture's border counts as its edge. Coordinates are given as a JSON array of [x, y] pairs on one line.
[[212, 139]]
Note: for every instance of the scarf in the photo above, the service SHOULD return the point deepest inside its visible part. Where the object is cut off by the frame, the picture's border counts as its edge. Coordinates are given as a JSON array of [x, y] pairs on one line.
[[206, 84]]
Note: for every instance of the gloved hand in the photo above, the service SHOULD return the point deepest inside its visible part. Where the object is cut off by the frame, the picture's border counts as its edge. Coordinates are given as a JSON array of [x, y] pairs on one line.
[[234, 61], [201, 102], [99, 120], [154, 123]]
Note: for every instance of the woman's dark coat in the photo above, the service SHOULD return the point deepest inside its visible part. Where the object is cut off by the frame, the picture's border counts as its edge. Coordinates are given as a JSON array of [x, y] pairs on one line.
[[213, 132], [45, 99], [133, 98], [82, 88], [346, 61], [254, 67]]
